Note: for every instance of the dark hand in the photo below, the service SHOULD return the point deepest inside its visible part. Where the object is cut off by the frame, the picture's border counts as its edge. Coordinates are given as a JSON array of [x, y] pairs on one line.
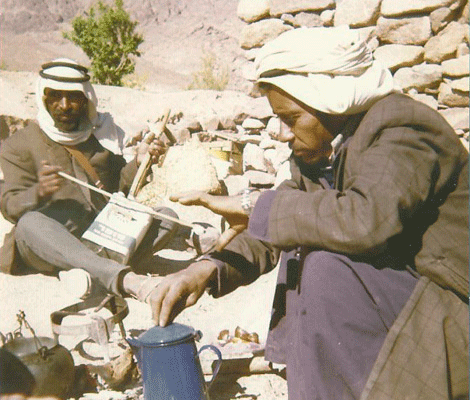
[[49, 181], [180, 290], [227, 206], [154, 147]]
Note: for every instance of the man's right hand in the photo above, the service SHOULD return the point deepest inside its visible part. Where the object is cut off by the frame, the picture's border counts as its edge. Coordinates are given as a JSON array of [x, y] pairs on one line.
[[180, 290], [49, 180]]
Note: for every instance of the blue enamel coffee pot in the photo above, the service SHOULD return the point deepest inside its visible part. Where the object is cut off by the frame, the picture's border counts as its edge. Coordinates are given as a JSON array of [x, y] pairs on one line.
[[169, 363]]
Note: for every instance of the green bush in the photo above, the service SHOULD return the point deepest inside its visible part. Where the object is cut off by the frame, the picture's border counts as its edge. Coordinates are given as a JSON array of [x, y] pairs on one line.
[[107, 36], [211, 75]]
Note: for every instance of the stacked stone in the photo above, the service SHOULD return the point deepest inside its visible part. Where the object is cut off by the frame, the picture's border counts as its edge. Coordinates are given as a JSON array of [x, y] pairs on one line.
[[424, 43]]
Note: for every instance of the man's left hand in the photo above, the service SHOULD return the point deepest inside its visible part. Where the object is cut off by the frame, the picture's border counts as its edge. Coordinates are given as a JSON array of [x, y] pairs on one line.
[[155, 147], [227, 206]]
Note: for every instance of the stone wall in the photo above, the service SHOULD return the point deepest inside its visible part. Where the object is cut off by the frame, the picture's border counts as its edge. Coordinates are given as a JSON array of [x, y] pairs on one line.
[[425, 43]]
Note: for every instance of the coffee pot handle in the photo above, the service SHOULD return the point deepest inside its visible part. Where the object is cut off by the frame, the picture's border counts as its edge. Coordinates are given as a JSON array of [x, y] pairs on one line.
[[218, 362]]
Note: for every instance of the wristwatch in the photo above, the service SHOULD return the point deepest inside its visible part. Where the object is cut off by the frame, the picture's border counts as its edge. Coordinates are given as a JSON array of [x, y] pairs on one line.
[[247, 204]]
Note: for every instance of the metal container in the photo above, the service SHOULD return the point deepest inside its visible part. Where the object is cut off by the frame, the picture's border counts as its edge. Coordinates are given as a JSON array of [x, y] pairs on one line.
[[169, 362], [50, 364]]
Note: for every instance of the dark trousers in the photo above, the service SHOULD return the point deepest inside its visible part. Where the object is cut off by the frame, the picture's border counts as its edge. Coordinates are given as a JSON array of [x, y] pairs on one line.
[[49, 241], [336, 319]]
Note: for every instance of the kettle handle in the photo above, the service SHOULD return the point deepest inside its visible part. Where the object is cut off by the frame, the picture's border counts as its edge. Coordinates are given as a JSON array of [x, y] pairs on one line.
[[218, 362]]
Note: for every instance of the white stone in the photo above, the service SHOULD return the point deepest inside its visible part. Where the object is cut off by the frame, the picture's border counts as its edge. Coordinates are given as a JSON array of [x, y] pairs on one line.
[[284, 173], [415, 30], [260, 32], [425, 98], [456, 67], [356, 13], [444, 45], [394, 8], [419, 76], [308, 20], [247, 138], [267, 143], [273, 127], [235, 184], [451, 98], [457, 117], [259, 178], [327, 17], [252, 10], [279, 7], [462, 50], [440, 18], [252, 123], [251, 54], [395, 56], [460, 85], [253, 158]]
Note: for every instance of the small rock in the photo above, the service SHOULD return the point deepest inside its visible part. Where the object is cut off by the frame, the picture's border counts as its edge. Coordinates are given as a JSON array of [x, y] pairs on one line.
[[252, 123], [268, 143], [462, 50], [252, 10], [395, 8], [457, 117], [273, 127], [305, 19], [260, 32], [249, 138], [444, 45], [419, 76], [395, 56], [253, 158], [194, 126], [415, 30], [424, 98], [440, 18], [327, 17], [460, 85], [279, 7], [456, 67], [210, 123], [356, 13], [451, 98], [283, 173], [259, 178], [228, 124], [236, 183]]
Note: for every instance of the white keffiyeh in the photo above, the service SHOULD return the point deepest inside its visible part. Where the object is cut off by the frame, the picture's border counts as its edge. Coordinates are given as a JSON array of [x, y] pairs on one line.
[[329, 69], [101, 125]]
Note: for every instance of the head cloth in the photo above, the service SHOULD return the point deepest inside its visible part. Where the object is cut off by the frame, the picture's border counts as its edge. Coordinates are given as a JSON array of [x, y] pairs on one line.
[[329, 69], [66, 74]]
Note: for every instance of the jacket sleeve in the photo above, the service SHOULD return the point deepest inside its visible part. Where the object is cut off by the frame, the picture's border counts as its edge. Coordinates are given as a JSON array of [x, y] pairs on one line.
[[19, 191], [388, 181]]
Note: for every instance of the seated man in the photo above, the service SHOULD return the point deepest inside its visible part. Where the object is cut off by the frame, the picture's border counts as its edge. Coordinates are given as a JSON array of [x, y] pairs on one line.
[[50, 213], [372, 293]]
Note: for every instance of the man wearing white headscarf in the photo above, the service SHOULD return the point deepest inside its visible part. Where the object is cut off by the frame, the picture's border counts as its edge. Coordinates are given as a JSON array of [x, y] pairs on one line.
[[50, 213], [372, 294]]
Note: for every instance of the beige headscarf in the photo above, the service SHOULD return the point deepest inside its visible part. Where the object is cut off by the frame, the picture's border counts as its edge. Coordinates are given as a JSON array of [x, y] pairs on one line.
[[101, 125], [329, 69]]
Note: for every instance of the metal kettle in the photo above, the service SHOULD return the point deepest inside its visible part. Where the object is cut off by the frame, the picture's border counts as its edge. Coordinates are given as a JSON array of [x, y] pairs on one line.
[[51, 364]]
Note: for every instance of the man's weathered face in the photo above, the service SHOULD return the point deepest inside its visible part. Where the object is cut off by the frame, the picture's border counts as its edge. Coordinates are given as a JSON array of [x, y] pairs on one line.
[[66, 107], [308, 131]]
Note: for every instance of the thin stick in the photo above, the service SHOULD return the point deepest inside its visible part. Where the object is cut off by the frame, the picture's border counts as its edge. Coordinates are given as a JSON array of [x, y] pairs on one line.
[[107, 194]]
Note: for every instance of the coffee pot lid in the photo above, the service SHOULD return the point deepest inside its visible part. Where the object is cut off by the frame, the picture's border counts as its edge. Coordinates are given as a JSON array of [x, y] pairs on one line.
[[171, 334]]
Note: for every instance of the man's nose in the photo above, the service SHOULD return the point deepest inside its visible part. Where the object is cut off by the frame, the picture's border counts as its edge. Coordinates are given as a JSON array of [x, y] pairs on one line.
[[285, 134], [64, 103]]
